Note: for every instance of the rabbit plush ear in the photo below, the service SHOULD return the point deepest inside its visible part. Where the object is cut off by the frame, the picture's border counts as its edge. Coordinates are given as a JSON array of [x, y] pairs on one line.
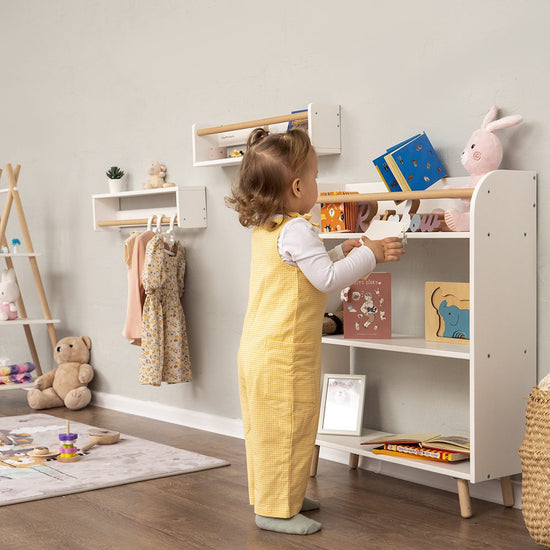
[[490, 116], [10, 276], [504, 122]]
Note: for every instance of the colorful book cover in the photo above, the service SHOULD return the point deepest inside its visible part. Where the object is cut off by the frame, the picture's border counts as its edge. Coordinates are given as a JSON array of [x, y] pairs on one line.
[[415, 164], [385, 171], [422, 454], [367, 307], [338, 216]]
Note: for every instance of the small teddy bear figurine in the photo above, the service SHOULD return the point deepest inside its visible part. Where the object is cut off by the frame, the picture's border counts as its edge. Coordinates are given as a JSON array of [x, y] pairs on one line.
[[157, 173], [483, 153], [9, 294], [67, 383]]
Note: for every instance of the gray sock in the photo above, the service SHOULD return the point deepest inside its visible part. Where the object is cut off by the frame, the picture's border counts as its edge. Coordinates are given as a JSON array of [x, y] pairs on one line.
[[296, 525], [310, 504]]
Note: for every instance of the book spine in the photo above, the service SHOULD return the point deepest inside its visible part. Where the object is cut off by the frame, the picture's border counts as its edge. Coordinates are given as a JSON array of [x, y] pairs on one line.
[[419, 451]]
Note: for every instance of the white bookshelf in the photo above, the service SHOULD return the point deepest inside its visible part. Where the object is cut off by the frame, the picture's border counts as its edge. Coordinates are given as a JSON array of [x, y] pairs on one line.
[[501, 354]]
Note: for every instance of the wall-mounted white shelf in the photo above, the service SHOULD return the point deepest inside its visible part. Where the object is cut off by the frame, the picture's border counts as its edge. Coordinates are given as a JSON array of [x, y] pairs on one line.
[[209, 143], [501, 356], [29, 321], [112, 211]]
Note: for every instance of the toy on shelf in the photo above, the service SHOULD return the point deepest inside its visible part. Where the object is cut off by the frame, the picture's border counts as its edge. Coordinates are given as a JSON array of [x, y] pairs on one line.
[[157, 173], [67, 383], [9, 294], [15, 246], [68, 449], [483, 154]]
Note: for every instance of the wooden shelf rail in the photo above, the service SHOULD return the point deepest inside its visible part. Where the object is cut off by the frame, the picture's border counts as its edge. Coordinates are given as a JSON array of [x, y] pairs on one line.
[[252, 124], [133, 222], [451, 193]]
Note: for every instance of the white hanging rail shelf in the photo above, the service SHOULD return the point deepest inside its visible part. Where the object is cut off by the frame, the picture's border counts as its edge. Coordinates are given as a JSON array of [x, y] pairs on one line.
[[212, 145], [112, 211]]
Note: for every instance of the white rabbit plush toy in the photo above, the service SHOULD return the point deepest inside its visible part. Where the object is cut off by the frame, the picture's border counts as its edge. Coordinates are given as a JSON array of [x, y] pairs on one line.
[[9, 294], [483, 154]]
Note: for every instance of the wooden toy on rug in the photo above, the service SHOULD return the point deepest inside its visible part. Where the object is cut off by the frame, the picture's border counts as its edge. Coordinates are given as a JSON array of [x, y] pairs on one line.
[[100, 437], [68, 449], [42, 452]]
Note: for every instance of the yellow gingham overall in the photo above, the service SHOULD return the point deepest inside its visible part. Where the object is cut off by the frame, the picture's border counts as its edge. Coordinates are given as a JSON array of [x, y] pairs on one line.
[[279, 377]]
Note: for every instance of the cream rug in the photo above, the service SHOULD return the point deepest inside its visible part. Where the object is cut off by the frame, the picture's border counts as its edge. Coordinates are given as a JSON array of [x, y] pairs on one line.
[[24, 477]]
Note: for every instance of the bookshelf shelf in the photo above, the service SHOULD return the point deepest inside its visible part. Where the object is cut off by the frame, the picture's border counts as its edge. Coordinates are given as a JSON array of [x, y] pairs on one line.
[[502, 349], [405, 344]]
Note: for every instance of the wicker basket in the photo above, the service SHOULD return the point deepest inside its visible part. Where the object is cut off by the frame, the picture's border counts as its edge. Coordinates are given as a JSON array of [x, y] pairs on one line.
[[535, 464]]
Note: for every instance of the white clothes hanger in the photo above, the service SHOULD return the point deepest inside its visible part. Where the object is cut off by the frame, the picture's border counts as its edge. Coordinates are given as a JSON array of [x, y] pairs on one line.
[[150, 222], [159, 222]]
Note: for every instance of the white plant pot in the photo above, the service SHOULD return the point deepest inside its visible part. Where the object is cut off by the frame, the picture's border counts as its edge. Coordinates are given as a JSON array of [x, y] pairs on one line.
[[117, 186]]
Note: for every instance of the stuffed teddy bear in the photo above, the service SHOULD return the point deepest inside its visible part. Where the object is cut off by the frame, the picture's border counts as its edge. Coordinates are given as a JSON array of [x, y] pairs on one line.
[[9, 294], [66, 384], [333, 322], [483, 154], [157, 173]]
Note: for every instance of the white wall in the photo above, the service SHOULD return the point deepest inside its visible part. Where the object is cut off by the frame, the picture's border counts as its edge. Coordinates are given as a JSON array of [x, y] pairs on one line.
[[89, 84]]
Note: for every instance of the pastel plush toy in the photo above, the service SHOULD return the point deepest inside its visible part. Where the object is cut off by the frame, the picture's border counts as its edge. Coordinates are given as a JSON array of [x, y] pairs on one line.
[[483, 154], [9, 294], [67, 383], [157, 173]]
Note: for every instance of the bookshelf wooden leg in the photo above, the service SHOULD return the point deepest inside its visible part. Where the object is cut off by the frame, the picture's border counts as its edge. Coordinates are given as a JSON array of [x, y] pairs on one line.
[[314, 461], [507, 491], [353, 461], [464, 498]]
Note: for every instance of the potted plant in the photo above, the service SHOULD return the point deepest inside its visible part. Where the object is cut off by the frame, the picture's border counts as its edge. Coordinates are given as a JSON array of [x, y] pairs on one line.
[[115, 175]]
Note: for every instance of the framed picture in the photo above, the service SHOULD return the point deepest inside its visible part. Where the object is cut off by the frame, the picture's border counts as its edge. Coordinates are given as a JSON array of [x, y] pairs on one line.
[[342, 404]]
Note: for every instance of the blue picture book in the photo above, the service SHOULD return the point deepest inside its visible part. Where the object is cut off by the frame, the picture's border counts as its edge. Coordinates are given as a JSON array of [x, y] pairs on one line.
[[415, 164], [385, 171]]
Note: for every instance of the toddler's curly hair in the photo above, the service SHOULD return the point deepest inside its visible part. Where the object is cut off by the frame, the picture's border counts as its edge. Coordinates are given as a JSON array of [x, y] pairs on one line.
[[270, 165]]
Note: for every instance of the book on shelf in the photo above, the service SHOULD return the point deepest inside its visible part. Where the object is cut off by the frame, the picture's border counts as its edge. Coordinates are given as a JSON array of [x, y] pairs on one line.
[[388, 177], [423, 453], [458, 443], [367, 307], [412, 165], [338, 216]]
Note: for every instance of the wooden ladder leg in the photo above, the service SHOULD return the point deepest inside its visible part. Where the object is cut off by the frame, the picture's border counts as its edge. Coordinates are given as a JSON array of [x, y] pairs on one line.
[[507, 491], [464, 498], [314, 461], [353, 461]]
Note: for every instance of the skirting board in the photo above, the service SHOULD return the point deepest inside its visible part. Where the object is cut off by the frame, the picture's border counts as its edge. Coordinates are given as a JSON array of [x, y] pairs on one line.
[[488, 490]]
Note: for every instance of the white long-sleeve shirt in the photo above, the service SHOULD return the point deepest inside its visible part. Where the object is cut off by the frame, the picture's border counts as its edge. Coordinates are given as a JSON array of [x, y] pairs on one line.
[[299, 245]]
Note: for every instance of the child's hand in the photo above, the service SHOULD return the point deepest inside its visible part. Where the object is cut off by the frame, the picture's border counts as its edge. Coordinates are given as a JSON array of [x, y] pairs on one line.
[[350, 244], [385, 250]]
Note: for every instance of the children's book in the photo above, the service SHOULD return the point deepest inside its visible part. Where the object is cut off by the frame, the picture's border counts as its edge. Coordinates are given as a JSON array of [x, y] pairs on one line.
[[367, 307], [457, 443], [425, 453], [338, 216], [385, 171], [415, 164]]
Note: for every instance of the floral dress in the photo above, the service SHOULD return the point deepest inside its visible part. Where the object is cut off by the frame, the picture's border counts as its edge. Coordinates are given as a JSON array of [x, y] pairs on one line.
[[164, 346]]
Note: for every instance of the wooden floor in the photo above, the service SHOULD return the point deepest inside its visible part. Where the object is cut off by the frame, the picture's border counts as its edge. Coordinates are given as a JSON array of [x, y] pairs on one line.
[[209, 509]]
